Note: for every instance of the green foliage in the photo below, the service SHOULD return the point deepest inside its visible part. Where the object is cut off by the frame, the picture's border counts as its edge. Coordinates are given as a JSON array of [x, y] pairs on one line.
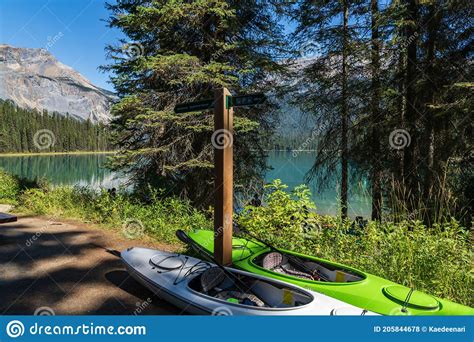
[[436, 260], [9, 188], [409, 67], [18, 127], [186, 50], [283, 215], [159, 217]]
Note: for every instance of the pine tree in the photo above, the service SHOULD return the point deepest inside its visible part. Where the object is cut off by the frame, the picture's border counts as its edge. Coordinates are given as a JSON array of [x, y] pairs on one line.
[[431, 39], [411, 72], [375, 112], [18, 127], [186, 49], [327, 89]]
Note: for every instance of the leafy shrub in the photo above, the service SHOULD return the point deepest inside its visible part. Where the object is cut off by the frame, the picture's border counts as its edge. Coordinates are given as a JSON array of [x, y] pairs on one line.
[[9, 188], [160, 217], [12, 186], [436, 260]]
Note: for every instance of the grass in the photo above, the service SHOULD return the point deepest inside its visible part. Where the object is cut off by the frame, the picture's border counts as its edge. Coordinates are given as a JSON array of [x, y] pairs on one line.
[[9, 188], [436, 260], [159, 218]]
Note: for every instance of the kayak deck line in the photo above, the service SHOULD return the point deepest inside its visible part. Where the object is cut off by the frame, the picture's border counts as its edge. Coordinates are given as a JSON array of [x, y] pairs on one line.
[[370, 292], [180, 279]]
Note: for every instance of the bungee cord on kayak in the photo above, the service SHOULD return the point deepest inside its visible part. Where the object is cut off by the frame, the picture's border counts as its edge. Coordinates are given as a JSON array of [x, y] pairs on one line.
[[295, 260], [205, 288], [354, 287]]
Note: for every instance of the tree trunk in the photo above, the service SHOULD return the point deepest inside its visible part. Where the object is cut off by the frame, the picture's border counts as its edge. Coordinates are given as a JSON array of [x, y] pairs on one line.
[[430, 91], [344, 114], [402, 105], [411, 116], [375, 109]]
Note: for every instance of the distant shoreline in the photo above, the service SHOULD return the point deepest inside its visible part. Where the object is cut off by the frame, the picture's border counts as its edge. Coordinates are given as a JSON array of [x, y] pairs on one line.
[[33, 154], [290, 150]]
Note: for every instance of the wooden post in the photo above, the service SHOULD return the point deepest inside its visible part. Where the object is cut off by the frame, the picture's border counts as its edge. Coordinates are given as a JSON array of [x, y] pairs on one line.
[[222, 140]]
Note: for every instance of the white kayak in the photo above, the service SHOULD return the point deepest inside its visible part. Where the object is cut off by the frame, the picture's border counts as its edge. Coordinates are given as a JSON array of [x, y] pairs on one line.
[[202, 288]]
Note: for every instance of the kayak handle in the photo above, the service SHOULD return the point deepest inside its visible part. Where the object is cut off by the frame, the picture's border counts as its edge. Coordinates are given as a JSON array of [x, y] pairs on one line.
[[180, 234]]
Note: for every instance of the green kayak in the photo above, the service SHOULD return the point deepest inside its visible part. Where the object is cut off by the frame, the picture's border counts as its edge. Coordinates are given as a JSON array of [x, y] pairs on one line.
[[335, 280]]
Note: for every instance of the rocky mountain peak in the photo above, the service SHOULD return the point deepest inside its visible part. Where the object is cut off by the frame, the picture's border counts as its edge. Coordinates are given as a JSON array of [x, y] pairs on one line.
[[35, 79]]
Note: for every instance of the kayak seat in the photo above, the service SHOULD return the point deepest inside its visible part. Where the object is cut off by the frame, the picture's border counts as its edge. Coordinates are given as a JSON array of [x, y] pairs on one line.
[[243, 298], [211, 278], [277, 262], [213, 284]]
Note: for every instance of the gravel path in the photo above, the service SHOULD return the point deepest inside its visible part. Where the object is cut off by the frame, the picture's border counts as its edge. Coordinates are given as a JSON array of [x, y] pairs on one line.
[[63, 267]]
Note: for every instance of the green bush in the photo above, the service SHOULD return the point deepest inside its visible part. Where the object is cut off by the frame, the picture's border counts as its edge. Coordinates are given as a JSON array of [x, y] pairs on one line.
[[9, 188], [158, 218], [436, 260]]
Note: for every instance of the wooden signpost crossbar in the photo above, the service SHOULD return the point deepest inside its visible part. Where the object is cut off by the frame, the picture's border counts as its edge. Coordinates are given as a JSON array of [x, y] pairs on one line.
[[222, 139]]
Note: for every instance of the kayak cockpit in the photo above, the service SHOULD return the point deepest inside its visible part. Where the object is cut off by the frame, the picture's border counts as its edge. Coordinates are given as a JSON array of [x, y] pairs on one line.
[[306, 268], [248, 290]]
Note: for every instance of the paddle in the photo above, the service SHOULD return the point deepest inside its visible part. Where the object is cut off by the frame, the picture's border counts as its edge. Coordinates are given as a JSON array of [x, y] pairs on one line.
[[180, 234], [290, 257]]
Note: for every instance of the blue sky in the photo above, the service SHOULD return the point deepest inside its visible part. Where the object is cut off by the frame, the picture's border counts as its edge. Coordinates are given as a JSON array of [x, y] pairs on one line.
[[72, 30]]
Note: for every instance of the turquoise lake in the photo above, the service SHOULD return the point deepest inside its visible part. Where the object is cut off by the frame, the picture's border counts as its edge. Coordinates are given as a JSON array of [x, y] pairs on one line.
[[88, 169]]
